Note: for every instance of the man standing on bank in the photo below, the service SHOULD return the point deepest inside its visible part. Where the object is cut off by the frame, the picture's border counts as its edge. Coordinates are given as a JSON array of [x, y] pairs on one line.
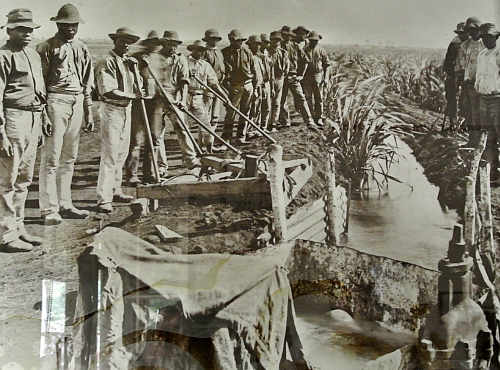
[[315, 76], [241, 81], [299, 66], [22, 102], [280, 64], [470, 50], [172, 70], [117, 85], [68, 73], [453, 67], [214, 57], [287, 45]]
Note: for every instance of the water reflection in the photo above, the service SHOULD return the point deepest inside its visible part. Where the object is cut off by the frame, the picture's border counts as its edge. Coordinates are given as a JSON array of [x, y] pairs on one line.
[[406, 223]]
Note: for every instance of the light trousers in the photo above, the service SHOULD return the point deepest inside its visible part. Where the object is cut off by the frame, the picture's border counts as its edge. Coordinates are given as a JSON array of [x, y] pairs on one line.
[[16, 173], [115, 142], [59, 153]]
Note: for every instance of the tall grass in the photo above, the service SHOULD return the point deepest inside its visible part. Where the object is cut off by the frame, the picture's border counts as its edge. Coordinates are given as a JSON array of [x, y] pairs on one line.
[[363, 130]]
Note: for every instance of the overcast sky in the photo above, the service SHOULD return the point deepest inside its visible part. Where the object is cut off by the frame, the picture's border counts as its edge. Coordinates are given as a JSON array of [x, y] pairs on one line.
[[427, 23]]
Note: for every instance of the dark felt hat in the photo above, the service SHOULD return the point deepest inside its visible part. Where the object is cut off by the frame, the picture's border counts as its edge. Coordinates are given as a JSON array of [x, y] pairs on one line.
[[68, 13], [171, 36], [212, 33], [197, 44], [125, 32]]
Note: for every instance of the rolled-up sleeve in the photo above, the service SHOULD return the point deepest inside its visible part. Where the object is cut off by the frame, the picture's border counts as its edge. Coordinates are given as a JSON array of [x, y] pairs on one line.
[[106, 76]]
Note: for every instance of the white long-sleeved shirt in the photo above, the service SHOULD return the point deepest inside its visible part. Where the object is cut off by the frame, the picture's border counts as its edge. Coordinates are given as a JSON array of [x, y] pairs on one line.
[[488, 72]]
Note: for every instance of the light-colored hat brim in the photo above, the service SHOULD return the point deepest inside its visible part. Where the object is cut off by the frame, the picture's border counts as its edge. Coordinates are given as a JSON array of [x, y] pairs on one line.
[[11, 26]]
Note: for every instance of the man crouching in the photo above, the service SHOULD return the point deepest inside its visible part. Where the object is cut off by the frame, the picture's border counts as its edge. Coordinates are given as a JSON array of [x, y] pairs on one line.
[[116, 83]]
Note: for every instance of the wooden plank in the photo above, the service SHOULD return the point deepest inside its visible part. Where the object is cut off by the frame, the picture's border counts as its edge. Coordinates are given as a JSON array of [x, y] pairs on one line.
[[167, 235], [312, 232], [312, 219], [235, 189], [470, 193], [299, 176], [223, 164], [320, 237], [304, 211], [188, 178]]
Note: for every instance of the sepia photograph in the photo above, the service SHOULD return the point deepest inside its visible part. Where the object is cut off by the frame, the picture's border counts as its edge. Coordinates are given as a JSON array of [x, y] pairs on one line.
[[249, 185]]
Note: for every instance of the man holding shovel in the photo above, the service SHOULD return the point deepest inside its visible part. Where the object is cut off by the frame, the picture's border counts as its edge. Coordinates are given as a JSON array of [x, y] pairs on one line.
[[201, 70], [172, 72], [117, 84]]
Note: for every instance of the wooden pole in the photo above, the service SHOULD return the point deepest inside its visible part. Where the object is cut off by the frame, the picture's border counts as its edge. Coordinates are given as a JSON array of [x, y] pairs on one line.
[[470, 193], [276, 177], [331, 207], [484, 205]]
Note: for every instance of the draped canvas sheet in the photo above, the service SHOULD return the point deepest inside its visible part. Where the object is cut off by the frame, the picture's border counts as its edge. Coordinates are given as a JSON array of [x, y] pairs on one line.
[[241, 302]]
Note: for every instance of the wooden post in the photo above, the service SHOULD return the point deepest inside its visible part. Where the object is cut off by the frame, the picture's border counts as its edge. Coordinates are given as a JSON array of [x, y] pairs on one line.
[[484, 205], [470, 193], [330, 200], [276, 177]]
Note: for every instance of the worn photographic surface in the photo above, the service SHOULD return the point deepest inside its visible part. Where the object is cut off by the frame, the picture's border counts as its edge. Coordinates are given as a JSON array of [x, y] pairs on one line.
[[229, 185]]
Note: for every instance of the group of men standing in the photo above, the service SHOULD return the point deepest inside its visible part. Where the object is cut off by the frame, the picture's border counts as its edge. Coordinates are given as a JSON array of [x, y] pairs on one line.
[[46, 100], [472, 67]]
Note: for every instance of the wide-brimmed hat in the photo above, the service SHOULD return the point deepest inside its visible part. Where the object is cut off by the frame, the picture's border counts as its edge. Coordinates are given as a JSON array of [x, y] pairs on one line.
[[301, 29], [472, 22], [67, 14], [125, 32], [197, 44], [264, 37], [460, 27], [276, 35], [171, 36], [20, 18], [236, 35], [253, 39], [286, 30], [313, 35], [211, 34], [151, 38], [488, 29]]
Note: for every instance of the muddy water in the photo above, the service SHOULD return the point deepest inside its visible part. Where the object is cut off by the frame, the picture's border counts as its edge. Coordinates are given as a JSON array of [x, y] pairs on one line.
[[335, 338], [406, 222]]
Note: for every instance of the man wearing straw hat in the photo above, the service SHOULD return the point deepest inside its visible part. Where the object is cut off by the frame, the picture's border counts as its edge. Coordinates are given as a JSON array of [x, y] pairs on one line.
[[453, 67], [150, 45], [213, 55], [280, 65], [241, 80], [67, 68], [471, 49], [315, 76], [118, 86], [487, 86], [22, 101], [200, 69], [172, 70]]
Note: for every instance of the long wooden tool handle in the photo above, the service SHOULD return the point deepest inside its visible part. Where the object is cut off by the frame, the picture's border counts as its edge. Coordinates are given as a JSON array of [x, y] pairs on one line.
[[230, 105], [176, 111], [198, 121], [147, 127]]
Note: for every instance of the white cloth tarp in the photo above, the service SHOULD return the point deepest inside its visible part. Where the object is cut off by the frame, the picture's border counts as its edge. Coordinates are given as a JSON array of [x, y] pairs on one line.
[[241, 302]]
